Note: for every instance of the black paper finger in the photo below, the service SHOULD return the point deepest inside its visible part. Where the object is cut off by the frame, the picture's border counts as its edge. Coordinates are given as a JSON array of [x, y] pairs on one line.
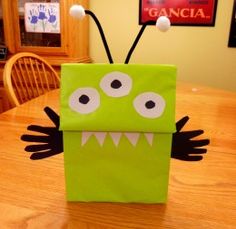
[[180, 124], [198, 151], [193, 158], [42, 155], [52, 115], [40, 129], [199, 143], [33, 138], [36, 148], [192, 133]]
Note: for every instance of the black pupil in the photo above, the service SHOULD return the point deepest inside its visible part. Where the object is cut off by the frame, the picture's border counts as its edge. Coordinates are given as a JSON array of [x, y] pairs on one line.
[[84, 99], [150, 104], [116, 84]]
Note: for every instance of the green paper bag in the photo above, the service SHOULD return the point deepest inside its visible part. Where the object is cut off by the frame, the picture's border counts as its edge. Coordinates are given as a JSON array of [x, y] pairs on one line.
[[117, 123]]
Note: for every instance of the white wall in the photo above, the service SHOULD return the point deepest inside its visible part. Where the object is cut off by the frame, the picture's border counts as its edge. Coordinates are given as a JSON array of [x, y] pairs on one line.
[[200, 53]]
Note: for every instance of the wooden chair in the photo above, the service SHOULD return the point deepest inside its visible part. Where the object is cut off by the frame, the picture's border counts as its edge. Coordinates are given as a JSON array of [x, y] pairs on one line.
[[27, 76]]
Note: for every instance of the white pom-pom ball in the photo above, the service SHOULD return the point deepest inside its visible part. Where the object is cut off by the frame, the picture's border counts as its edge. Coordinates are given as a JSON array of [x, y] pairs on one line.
[[77, 11], [163, 23]]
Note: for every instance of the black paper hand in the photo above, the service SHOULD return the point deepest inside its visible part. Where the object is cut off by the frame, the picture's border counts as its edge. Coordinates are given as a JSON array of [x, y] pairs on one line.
[[183, 148], [50, 143]]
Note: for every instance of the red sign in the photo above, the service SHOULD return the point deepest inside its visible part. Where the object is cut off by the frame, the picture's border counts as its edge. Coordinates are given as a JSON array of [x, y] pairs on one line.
[[180, 12]]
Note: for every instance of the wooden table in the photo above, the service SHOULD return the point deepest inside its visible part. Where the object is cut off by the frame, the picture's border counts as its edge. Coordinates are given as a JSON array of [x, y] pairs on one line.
[[201, 194]]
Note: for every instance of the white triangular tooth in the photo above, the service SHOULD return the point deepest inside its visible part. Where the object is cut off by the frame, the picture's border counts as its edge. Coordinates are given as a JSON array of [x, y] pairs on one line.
[[149, 137], [85, 137], [132, 137], [100, 136], [115, 137]]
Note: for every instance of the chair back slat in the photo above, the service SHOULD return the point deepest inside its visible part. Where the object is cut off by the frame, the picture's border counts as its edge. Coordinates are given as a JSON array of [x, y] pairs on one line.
[[34, 78], [18, 79], [37, 64], [27, 76], [18, 84], [45, 77]]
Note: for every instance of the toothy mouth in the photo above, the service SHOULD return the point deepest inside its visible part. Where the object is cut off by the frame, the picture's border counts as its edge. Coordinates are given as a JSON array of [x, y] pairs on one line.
[[116, 137]]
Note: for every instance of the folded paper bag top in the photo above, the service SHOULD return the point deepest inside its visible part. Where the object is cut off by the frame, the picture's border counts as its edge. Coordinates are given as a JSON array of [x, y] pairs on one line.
[[118, 97], [117, 121]]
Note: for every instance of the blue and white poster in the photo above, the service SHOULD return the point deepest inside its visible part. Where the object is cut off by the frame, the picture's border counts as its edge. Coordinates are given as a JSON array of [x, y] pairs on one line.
[[42, 17]]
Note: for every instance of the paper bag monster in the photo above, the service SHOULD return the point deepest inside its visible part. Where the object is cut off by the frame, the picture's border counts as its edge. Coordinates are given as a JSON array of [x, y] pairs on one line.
[[117, 122]]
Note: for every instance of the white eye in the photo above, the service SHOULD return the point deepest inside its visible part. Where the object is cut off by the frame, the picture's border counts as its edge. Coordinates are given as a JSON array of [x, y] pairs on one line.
[[84, 100], [149, 104], [116, 84]]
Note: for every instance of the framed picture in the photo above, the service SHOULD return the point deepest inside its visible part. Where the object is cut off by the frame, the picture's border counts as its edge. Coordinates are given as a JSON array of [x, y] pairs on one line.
[[232, 34], [42, 17], [181, 12]]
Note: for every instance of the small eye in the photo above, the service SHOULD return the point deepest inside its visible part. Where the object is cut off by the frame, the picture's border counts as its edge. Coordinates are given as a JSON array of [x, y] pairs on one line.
[[149, 104], [116, 84], [84, 100]]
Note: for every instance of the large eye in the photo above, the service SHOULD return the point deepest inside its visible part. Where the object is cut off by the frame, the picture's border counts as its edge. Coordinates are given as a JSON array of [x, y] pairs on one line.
[[149, 104], [116, 84], [84, 100]]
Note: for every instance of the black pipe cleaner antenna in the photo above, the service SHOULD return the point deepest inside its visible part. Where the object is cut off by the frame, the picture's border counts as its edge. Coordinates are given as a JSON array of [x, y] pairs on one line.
[[135, 42], [90, 13], [79, 12]]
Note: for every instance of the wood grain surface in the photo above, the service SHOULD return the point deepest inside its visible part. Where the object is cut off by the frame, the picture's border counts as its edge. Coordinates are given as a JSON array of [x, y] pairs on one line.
[[201, 194]]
